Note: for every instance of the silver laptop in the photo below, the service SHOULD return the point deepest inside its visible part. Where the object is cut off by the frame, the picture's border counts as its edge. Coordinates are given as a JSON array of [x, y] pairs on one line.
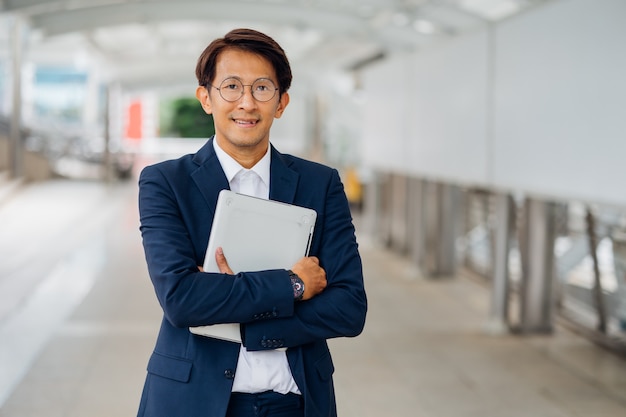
[[255, 235]]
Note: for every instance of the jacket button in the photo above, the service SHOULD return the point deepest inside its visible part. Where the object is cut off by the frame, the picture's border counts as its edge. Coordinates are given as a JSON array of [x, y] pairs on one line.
[[229, 374]]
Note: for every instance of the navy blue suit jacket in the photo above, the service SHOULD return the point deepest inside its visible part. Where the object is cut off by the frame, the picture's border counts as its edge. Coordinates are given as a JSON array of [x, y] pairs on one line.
[[192, 376]]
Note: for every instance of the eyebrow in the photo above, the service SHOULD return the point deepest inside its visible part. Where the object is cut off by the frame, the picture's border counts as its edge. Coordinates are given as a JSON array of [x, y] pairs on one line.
[[256, 79]]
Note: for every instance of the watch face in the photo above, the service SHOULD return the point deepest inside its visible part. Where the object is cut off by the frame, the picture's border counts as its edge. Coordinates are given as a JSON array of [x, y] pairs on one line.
[[298, 286], [298, 289]]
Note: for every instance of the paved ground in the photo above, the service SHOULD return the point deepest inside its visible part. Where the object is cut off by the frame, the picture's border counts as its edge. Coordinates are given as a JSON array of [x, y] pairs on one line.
[[78, 319]]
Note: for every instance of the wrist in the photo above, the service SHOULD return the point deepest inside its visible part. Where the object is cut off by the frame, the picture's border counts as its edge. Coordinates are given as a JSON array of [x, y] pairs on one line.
[[297, 285]]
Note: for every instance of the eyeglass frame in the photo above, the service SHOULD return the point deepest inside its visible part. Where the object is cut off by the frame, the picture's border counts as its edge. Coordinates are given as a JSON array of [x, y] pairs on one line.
[[244, 88]]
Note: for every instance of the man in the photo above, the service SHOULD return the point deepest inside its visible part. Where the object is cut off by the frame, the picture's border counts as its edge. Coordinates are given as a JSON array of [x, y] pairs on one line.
[[283, 367]]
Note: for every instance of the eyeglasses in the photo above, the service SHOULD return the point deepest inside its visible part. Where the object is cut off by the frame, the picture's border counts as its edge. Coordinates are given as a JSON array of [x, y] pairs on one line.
[[231, 89]]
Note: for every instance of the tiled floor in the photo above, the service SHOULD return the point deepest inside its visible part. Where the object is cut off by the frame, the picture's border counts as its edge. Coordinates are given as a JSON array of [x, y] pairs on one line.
[[78, 319]]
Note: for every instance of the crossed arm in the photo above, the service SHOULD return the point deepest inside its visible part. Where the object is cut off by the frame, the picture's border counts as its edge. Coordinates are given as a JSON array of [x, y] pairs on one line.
[[307, 268], [335, 303]]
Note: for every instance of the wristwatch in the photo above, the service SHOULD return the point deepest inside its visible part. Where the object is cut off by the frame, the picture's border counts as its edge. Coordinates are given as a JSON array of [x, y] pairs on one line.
[[298, 285]]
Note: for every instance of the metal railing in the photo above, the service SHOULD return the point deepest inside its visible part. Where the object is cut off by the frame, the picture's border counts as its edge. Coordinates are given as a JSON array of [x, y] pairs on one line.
[[578, 276]]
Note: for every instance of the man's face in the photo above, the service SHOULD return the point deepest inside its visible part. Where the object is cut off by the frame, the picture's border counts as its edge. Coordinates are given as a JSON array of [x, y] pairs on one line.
[[242, 126]]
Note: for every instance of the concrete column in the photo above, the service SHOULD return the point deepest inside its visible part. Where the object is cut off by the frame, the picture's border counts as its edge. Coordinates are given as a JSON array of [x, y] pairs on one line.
[[398, 212], [107, 164], [442, 216], [431, 229], [619, 257], [498, 312], [372, 206], [91, 110], [383, 221], [597, 292], [16, 148], [538, 267], [416, 228]]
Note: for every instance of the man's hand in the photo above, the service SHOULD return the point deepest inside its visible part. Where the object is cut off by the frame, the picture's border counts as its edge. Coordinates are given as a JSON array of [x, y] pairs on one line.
[[222, 264], [312, 274], [308, 269]]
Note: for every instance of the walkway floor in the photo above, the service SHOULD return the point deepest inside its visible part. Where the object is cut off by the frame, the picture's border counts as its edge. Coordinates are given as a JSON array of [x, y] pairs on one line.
[[78, 319]]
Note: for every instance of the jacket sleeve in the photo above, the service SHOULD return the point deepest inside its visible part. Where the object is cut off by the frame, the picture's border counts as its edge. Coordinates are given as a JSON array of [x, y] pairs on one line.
[[340, 309], [169, 207]]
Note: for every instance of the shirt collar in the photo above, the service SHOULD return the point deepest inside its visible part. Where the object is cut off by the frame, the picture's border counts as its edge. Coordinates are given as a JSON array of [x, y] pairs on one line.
[[231, 167]]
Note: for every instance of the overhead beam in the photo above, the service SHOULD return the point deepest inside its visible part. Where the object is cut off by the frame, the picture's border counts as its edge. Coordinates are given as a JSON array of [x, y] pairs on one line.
[[85, 18], [61, 21]]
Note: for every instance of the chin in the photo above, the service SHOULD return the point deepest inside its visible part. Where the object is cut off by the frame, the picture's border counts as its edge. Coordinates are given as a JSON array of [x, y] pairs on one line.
[[248, 141]]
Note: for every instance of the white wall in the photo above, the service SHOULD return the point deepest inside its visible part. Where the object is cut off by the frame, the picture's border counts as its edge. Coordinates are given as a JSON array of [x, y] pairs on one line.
[[447, 114], [537, 105], [560, 114], [386, 108]]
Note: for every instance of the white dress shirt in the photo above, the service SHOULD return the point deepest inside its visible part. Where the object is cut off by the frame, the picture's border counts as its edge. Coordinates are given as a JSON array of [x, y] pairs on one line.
[[266, 370]]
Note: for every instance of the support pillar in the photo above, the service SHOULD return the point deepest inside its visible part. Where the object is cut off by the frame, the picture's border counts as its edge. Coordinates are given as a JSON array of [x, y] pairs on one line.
[[16, 148], [372, 206], [538, 267], [398, 233], [442, 219], [619, 257], [383, 221], [498, 320], [416, 224], [107, 163]]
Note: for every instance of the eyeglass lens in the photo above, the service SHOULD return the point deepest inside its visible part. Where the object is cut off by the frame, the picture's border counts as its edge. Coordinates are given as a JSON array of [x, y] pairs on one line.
[[263, 89]]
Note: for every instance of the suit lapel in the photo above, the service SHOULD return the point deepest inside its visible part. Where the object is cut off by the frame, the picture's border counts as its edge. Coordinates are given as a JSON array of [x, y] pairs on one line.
[[209, 177], [283, 180]]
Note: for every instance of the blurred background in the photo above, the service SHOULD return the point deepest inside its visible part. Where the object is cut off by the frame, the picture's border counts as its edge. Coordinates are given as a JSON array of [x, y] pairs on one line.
[[477, 139]]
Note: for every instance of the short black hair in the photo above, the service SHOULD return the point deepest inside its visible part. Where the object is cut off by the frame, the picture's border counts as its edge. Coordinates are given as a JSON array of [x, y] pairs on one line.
[[248, 40]]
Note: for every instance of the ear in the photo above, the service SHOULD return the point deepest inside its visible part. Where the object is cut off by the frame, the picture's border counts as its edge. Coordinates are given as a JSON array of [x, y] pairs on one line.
[[282, 104], [202, 94]]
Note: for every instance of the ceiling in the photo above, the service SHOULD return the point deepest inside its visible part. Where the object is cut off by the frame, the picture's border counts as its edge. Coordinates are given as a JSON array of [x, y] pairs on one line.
[[143, 43]]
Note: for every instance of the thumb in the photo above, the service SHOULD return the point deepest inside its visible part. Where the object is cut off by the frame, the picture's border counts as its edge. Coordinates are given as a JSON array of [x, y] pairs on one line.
[[222, 264]]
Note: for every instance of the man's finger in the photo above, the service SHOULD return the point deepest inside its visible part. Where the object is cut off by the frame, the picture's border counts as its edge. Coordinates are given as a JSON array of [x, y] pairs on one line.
[[222, 264]]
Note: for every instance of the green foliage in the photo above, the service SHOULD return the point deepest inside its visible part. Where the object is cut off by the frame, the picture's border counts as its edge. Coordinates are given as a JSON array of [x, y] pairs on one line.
[[184, 117]]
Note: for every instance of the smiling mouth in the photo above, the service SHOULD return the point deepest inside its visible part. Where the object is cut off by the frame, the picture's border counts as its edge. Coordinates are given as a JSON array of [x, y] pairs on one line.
[[245, 123]]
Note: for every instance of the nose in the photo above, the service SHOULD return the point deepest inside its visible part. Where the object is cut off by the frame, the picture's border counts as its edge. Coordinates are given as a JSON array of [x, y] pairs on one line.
[[247, 99]]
